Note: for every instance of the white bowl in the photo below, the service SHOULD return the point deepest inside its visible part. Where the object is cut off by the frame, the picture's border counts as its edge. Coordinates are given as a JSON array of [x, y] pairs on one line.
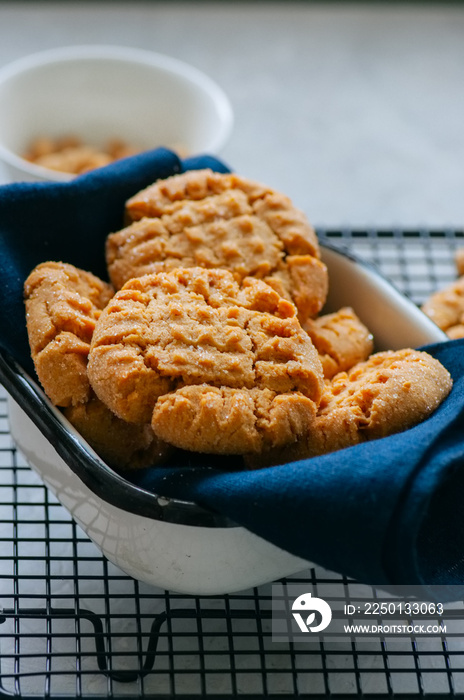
[[166, 542], [102, 92]]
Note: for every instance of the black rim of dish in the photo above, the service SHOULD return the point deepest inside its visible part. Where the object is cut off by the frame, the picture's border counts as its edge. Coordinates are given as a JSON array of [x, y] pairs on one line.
[[103, 481]]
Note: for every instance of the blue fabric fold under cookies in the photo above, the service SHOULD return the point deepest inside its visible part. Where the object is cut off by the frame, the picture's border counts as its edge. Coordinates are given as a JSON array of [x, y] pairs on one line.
[[383, 512]]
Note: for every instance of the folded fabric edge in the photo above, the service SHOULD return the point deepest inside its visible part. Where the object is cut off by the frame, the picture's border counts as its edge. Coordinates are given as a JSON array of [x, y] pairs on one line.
[[424, 543]]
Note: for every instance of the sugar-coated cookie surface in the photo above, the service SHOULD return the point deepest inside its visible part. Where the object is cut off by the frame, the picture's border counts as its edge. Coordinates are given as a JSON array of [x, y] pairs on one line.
[[166, 331], [390, 392], [215, 220], [62, 306]]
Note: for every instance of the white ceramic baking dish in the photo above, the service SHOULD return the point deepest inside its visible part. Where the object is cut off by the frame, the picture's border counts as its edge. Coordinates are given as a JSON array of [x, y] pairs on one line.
[[169, 543]]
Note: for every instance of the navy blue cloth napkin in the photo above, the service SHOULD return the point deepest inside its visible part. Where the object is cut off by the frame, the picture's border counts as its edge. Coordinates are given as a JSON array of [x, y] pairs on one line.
[[384, 512]]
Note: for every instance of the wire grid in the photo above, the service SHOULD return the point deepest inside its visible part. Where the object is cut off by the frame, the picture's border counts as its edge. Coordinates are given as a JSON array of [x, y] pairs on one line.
[[73, 625]]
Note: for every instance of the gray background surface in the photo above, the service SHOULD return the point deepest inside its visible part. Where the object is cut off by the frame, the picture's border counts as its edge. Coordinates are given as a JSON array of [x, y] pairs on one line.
[[356, 111]]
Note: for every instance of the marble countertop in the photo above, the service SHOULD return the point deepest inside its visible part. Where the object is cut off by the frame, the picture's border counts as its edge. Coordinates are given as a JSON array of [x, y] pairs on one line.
[[355, 111]]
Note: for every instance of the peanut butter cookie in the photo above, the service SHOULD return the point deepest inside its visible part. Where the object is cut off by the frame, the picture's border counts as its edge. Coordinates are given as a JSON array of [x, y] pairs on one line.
[[204, 418], [459, 261], [215, 220], [341, 340], [446, 309], [62, 306], [390, 392], [200, 344]]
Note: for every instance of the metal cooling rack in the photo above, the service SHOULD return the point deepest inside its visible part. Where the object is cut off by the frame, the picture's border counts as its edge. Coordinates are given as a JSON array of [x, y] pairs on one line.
[[72, 625]]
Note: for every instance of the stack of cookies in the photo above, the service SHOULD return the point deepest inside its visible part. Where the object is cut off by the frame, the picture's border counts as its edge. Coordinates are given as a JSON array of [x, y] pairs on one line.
[[210, 339]]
